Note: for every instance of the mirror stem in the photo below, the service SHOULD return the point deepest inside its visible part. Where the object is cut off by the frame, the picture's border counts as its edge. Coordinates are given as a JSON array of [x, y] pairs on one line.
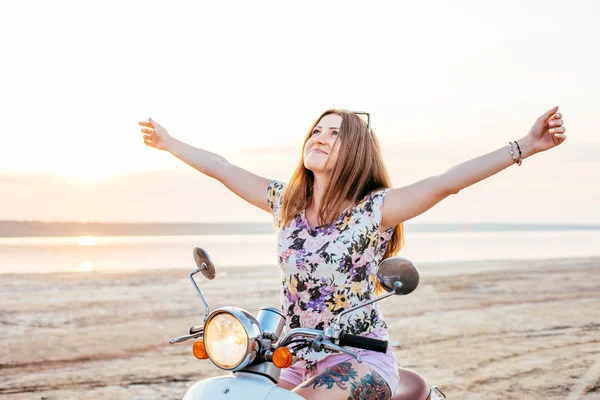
[[198, 290]]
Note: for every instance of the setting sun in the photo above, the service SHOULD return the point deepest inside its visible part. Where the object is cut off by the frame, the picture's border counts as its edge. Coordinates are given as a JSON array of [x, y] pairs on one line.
[[77, 170]]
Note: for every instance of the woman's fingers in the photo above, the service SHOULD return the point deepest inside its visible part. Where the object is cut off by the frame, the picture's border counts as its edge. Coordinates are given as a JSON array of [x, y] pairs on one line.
[[152, 133], [153, 123], [560, 129], [561, 138], [548, 114], [555, 122]]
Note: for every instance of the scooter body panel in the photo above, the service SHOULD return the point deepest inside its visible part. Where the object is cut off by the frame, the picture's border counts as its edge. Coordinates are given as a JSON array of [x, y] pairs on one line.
[[239, 386]]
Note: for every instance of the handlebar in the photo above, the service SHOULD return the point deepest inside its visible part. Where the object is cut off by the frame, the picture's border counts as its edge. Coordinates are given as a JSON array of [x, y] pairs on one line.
[[196, 329], [195, 333], [319, 341], [317, 338], [363, 342], [309, 333]]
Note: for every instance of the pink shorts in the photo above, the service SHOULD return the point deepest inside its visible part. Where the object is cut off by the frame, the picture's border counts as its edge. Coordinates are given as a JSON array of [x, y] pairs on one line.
[[383, 363]]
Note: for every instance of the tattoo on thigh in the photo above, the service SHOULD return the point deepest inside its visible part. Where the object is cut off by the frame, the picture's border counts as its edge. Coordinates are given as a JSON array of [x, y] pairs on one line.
[[370, 387], [337, 375]]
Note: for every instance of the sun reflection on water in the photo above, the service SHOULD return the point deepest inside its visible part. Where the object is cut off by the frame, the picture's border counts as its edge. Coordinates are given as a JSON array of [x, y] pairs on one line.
[[87, 241], [85, 266]]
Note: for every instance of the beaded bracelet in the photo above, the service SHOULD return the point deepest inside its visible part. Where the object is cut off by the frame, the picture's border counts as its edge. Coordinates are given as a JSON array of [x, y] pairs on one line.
[[512, 154], [519, 148]]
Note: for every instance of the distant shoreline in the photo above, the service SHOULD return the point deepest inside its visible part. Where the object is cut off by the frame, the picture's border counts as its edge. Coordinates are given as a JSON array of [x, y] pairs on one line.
[[65, 229]]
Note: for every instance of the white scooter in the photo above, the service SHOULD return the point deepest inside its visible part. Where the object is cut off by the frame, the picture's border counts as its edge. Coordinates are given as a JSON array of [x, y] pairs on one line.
[[253, 351]]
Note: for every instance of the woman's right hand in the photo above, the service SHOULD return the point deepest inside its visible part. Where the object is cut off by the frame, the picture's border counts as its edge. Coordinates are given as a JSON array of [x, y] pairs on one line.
[[155, 135]]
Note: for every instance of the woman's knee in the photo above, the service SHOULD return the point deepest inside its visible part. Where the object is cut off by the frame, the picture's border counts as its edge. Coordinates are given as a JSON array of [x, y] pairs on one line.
[[412, 386]]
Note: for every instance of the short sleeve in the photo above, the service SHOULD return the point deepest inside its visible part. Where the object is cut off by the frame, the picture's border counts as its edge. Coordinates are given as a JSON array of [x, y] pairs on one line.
[[374, 204], [377, 198], [274, 199]]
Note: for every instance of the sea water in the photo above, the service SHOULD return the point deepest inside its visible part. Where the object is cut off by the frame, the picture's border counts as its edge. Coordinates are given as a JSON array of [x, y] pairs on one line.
[[131, 253]]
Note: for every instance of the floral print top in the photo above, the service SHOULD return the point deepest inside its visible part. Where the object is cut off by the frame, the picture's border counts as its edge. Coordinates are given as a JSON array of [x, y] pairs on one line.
[[330, 268]]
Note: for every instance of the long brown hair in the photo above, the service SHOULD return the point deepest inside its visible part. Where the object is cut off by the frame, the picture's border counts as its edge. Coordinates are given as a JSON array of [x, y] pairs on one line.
[[359, 170]]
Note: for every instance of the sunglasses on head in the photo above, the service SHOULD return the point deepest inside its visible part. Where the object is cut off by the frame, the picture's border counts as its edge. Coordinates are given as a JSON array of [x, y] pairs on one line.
[[368, 118]]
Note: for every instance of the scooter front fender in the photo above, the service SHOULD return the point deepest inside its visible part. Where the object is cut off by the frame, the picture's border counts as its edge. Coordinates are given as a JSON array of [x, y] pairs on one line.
[[238, 386]]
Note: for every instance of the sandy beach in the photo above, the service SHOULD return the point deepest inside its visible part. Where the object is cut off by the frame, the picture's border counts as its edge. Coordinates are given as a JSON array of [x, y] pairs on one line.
[[479, 330]]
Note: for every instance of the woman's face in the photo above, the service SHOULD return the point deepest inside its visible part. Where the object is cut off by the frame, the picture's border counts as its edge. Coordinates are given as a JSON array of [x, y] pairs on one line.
[[321, 149]]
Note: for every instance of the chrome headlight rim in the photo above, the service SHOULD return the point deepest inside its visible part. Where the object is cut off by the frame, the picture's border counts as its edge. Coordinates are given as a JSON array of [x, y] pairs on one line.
[[253, 332]]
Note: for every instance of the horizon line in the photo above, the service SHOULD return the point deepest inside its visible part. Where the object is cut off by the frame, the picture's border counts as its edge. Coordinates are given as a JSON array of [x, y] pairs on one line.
[[40, 221]]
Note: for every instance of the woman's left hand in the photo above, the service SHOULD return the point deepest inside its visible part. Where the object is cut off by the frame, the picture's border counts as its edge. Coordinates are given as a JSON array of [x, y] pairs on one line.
[[547, 131]]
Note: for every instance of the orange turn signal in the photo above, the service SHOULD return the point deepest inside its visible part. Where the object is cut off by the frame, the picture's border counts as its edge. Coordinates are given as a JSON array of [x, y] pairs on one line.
[[282, 357], [200, 350]]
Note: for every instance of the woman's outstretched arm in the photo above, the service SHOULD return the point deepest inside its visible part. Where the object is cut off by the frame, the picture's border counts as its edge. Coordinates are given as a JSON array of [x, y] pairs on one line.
[[248, 186], [402, 204]]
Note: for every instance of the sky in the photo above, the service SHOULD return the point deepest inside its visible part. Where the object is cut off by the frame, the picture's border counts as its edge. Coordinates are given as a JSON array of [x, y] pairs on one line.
[[444, 81]]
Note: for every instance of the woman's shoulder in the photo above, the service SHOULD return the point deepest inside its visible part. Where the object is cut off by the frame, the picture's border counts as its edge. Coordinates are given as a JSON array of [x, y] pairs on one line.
[[373, 196], [275, 189], [277, 184], [275, 194]]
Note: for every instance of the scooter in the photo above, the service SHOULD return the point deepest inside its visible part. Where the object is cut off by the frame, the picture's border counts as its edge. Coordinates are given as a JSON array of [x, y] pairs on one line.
[[254, 352]]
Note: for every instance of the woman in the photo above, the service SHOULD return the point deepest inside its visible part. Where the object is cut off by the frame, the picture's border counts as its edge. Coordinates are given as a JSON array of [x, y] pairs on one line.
[[334, 228]]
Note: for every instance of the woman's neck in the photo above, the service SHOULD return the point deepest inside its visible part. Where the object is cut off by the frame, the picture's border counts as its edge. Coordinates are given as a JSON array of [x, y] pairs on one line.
[[319, 187]]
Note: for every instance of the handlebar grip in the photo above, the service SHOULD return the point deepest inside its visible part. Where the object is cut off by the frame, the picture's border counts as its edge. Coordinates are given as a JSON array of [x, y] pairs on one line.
[[362, 342], [196, 329]]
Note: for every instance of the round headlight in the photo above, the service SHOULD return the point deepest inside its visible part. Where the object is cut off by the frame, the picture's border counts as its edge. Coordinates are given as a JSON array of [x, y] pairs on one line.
[[230, 337]]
